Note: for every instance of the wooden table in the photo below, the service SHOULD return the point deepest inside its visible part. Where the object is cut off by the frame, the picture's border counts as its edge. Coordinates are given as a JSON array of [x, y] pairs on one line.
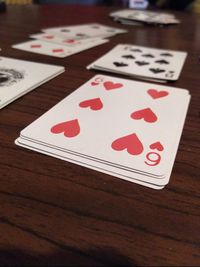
[[55, 213]]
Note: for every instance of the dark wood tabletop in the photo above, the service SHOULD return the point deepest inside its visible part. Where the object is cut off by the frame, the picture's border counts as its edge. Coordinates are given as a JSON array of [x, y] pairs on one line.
[[56, 213]]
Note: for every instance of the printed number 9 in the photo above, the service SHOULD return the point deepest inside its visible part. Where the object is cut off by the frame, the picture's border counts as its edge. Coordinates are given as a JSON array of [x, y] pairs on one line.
[[153, 159]]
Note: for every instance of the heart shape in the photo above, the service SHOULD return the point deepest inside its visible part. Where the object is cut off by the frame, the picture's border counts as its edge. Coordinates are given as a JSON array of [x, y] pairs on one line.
[[69, 128], [69, 41], [36, 46], [94, 83], [59, 50], [157, 94], [147, 114], [157, 145], [110, 85], [94, 104], [130, 142], [49, 36]]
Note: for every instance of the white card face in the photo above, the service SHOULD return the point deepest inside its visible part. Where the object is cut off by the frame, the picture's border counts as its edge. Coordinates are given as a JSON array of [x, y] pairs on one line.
[[141, 179], [18, 77], [55, 50], [57, 39], [115, 171], [117, 121], [85, 31], [143, 61]]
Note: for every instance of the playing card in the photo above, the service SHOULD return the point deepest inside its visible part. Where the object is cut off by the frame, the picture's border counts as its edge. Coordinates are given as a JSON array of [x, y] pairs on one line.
[[92, 164], [17, 77], [149, 17], [55, 50], [85, 31], [57, 39], [80, 161], [128, 22], [118, 172], [109, 121], [142, 62], [114, 171]]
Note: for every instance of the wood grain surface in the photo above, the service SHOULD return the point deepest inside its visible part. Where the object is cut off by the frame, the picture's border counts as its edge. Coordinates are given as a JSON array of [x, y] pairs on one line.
[[54, 213]]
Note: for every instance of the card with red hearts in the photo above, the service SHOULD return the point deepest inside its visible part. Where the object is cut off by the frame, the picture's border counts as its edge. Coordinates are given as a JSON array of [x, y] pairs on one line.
[[91, 164], [116, 125], [56, 50], [117, 172], [85, 31], [61, 40]]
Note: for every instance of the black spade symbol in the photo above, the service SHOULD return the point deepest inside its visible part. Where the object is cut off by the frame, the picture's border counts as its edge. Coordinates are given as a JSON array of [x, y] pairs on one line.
[[157, 70], [166, 55], [120, 64], [141, 63], [128, 56], [148, 55], [162, 61]]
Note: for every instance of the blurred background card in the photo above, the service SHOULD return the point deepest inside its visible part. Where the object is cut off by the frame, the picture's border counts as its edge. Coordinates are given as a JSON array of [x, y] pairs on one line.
[[141, 4]]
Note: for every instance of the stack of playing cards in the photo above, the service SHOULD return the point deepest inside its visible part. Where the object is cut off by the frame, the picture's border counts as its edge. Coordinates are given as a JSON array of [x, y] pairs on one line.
[[142, 62], [18, 77], [132, 17], [66, 41], [128, 129]]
